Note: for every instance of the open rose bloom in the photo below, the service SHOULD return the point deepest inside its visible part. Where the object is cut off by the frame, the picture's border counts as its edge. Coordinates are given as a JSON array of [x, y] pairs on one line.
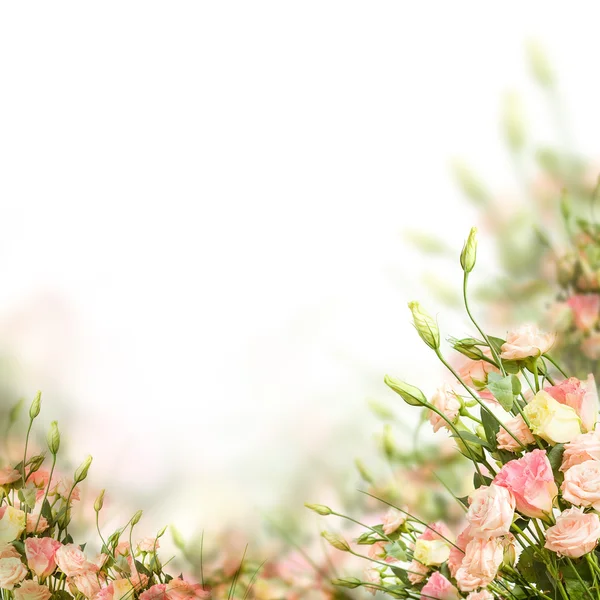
[[529, 428]]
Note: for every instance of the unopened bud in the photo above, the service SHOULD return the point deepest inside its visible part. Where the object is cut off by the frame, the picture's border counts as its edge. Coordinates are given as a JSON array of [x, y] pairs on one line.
[[337, 541], [469, 347], [320, 509], [34, 409], [347, 582], [99, 502], [409, 393], [82, 471], [53, 438], [362, 469], [136, 518], [35, 462], [469, 251], [161, 532], [540, 65], [425, 325]]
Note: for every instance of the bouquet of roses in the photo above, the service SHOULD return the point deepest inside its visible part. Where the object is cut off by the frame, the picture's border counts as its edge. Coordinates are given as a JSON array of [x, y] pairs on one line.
[[531, 524], [39, 559]]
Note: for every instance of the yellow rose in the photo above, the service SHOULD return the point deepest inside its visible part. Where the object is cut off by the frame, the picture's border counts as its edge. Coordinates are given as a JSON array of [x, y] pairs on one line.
[[12, 525], [554, 422], [431, 552], [122, 588]]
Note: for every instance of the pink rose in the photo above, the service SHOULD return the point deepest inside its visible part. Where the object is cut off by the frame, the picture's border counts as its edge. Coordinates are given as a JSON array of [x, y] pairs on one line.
[[581, 486], [480, 564], [30, 590], [519, 429], [481, 595], [88, 583], [457, 552], [585, 309], [177, 589], [576, 533], [448, 403], [584, 447], [32, 521], [526, 341], [591, 346], [436, 531], [71, 560], [148, 544], [475, 373], [392, 520], [9, 475], [491, 511], [417, 572], [372, 576], [581, 397], [156, 592], [531, 481], [8, 551], [439, 587], [41, 555], [12, 571]]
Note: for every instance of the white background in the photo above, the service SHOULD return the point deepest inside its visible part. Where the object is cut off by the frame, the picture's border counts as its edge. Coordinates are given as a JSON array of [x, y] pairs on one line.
[[201, 259]]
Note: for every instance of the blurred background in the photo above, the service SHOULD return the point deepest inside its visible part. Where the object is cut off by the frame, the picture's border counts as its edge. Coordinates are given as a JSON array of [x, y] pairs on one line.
[[204, 257]]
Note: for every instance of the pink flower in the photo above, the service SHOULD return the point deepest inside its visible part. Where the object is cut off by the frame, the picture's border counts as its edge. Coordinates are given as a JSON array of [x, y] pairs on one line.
[[88, 583], [481, 595], [12, 572], [41, 555], [586, 308], [32, 521], [377, 550], [531, 481], [71, 560], [526, 341], [448, 403], [576, 533], [9, 475], [148, 544], [178, 589], [30, 590], [457, 552], [439, 587], [519, 429], [581, 486], [475, 372], [584, 447], [417, 572], [392, 520], [156, 592], [581, 397], [372, 576], [591, 346], [491, 511], [8, 551], [480, 564], [436, 531]]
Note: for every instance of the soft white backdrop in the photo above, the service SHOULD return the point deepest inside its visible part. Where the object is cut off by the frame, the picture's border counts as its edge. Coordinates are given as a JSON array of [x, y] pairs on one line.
[[202, 206]]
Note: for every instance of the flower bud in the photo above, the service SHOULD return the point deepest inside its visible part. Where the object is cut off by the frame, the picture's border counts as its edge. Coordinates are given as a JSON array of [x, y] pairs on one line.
[[136, 518], [161, 532], [82, 471], [362, 469], [53, 438], [469, 347], [347, 582], [469, 251], [320, 509], [425, 325], [34, 409], [35, 462], [409, 393], [337, 541], [540, 65], [99, 502]]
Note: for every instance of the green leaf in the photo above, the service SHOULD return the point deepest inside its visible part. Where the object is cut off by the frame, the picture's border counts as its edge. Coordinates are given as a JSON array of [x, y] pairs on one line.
[[504, 389], [491, 428], [555, 456], [396, 551], [479, 480], [61, 595], [401, 574]]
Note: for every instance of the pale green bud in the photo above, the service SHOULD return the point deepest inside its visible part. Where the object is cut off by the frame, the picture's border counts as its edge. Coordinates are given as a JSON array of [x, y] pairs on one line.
[[348, 582], [362, 469], [320, 509], [82, 471], [136, 518], [469, 251], [34, 409], [513, 123], [425, 325], [337, 541], [53, 438], [410, 394], [99, 503], [35, 462], [540, 65], [161, 532]]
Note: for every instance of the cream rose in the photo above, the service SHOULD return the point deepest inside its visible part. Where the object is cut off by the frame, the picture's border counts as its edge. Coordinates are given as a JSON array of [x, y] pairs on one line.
[[480, 564], [491, 511], [30, 590], [554, 422], [12, 572], [583, 447], [581, 486], [71, 560], [392, 520], [575, 533], [448, 403], [12, 524], [526, 341], [431, 552]]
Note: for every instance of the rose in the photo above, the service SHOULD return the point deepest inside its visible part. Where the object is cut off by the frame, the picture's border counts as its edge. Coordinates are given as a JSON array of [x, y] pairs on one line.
[[519, 429], [581, 397], [12, 524], [531, 481], [575, 533], [431, 552], [122, 588], [148, 544], [392, 520], [585, 309], [12, 571], [554, 422], [581, 486], [475, 372], [481, 595], [377, 550], [436, 531], [178, 589], [439, 587], [31, 590], [8, 551], [32, 522], [9, 475], [457, 552], [491, 511], [372, 576], [41, 555], [448, 403], [156, 592], [584, 447], [480, 564], [71, 560], [87, 583], [526, 341], [417, 572]]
